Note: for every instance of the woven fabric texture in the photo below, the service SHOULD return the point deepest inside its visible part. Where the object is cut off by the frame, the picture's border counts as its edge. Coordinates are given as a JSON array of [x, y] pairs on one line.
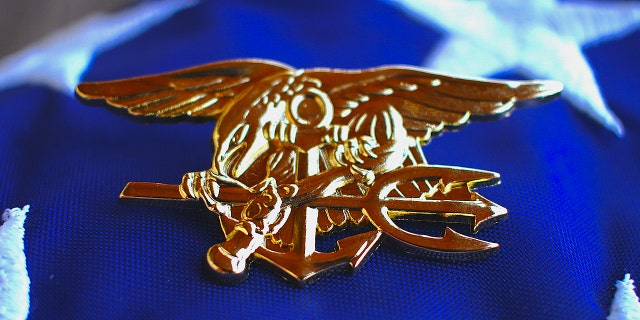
[[570, 186]]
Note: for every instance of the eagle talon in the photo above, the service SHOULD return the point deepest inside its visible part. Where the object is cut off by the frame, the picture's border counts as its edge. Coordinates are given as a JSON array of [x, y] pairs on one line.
[[202, 185], [353, 126]]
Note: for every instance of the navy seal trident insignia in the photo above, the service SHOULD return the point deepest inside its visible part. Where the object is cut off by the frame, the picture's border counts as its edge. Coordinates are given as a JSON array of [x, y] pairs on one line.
[[301, 153]]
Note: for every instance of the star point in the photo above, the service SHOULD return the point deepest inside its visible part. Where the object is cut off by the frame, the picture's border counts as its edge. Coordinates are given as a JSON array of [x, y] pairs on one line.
[[541, 39], [60, 59]]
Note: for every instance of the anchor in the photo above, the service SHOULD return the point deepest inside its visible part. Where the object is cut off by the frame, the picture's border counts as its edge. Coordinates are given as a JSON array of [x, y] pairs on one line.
[[302, 262], [301, 152]]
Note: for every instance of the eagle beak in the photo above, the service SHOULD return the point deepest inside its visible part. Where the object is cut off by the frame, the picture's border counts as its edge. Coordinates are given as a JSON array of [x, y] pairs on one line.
[[246, 157]]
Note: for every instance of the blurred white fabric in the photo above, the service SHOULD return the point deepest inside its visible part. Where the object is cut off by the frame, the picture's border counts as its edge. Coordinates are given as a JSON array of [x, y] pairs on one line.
[[60, 59], [625, 305], [542, 39], [14, 280]]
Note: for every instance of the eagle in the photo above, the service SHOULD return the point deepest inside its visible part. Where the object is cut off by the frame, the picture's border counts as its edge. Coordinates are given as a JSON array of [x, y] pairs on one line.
[[280, 126]]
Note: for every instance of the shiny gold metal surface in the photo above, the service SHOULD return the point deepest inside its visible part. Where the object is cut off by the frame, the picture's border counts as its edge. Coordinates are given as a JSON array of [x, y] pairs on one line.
[[300, 153]]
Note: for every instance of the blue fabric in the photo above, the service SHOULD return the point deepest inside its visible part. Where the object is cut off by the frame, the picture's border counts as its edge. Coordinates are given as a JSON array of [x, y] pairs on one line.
[[570, 186]]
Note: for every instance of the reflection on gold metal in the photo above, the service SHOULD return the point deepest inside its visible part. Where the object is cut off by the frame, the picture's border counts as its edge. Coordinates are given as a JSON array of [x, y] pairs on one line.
[[300, 153]]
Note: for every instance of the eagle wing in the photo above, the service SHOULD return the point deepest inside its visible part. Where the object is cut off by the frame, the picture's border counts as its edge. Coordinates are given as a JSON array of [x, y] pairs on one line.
[[201, 91], [428, 102]]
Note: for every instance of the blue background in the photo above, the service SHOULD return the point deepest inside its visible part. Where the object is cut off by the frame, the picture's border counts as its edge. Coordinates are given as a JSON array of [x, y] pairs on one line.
[[570, 186]]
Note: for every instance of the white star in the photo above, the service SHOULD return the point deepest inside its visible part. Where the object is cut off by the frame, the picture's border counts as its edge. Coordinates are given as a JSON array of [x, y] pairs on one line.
[[541, 38], [14, 280], [625, 303], [60, 59]]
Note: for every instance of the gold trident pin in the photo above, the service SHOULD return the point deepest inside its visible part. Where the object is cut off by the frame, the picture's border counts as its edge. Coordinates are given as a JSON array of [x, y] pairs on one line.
[[298, 153]]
